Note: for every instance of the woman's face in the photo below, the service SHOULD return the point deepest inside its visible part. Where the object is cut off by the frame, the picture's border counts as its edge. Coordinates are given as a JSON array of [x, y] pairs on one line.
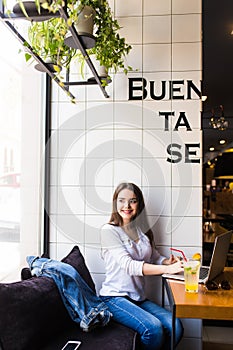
[[127, 205]]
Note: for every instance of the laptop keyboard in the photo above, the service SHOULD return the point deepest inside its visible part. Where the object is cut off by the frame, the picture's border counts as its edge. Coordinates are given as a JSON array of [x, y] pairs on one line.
[[203, 272]]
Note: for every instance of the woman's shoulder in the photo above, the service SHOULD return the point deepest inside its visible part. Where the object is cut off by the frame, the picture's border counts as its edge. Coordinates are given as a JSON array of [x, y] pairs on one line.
[[109, 225], [110, 235]]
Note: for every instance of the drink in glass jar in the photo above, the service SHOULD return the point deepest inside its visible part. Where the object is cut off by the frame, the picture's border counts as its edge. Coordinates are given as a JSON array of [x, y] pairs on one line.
[[191, 275]]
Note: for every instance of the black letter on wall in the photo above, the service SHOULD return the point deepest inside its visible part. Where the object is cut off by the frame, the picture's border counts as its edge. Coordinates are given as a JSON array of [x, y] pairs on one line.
[[133, 88]]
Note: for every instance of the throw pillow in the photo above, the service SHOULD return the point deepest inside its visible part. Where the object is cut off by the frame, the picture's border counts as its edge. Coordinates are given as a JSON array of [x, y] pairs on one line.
[[76, 259]]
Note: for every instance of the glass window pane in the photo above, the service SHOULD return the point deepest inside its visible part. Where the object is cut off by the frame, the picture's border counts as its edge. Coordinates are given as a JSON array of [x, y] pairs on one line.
[[19, 96]]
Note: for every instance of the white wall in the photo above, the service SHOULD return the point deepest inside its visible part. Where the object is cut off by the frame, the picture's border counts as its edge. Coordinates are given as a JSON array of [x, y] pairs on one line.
[[100, 142]]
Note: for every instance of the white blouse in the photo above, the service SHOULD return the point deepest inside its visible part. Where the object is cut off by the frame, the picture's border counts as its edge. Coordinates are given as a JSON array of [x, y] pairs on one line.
[[124, 259]]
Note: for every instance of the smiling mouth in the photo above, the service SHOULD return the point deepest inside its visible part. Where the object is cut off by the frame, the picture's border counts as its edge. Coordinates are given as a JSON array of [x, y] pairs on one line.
[[127, 211]]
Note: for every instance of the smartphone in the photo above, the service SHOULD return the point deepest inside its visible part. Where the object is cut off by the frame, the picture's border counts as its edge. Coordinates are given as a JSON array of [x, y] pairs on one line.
[[72, 345]]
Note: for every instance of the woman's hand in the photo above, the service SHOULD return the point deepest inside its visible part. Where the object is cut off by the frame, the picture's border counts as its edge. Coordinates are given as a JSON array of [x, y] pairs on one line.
[[175, 267], [173, 259]]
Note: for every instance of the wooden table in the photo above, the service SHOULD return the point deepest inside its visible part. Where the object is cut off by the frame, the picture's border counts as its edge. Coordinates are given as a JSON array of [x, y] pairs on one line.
[[214, 305]]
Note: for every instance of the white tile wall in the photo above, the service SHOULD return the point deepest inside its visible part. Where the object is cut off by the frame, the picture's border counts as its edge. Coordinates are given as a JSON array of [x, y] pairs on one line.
[[184, 174], [71, 116], [71, 170], [97, 200], [100, 142], [161, 32], [154, 170], [183, 6], [186, 231], [127, 144], [186, 28], [186, 201], [127, 170], [92, 228], [99, 171], [159, 7], [131, 29], [128, 8], [157, 57], [162, 228], [186, 56], [71, 143], [99, 115], [158, 200], [128, 116], [70, 228], [155, 143]]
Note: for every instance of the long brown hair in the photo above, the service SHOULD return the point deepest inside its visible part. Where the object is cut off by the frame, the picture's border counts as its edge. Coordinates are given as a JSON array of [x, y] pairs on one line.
[[140, 219]]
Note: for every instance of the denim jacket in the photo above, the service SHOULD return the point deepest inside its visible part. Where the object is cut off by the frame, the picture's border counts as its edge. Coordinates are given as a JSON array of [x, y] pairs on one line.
[[82, 304]]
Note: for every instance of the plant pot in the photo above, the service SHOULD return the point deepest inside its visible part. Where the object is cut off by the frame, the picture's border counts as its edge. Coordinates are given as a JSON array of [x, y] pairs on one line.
[[50, 64], [32, 11], [101, 71], [84, 27]]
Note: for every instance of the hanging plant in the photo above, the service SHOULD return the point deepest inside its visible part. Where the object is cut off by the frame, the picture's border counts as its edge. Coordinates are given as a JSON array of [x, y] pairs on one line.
[[110, 48], [47, 40]]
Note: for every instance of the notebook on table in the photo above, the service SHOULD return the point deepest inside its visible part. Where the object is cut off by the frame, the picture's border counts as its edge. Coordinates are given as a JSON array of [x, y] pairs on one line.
[[217, 263]]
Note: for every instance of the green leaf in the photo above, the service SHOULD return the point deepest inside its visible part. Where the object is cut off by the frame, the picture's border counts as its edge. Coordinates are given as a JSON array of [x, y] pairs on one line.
[[27, 56]]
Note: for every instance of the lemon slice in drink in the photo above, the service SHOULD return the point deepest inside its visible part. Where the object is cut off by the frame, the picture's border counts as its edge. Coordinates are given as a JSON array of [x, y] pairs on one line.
[[197, 256]]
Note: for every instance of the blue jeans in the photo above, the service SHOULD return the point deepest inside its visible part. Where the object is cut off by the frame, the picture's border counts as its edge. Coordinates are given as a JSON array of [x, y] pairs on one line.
[[82, 304], [152, 322]]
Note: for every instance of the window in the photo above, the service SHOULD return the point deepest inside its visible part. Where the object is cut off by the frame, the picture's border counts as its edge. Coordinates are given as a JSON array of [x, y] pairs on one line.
[[21, 140]]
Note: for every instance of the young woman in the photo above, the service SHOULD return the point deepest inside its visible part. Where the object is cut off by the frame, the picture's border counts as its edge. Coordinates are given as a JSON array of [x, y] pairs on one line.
[[129, 254]]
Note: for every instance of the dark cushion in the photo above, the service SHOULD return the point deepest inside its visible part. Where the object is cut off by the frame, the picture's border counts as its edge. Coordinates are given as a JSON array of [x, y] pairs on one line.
[[32, 310], [76, 259]]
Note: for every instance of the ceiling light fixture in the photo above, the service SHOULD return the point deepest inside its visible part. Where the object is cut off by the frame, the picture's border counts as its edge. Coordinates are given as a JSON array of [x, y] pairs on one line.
[[222, 142], [218, 122]]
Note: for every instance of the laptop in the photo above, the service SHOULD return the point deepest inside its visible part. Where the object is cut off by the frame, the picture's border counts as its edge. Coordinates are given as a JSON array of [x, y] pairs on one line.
[[217, 263]]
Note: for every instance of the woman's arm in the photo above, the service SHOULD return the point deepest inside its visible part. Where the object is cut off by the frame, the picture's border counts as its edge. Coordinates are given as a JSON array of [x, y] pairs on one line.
[[151, 269]]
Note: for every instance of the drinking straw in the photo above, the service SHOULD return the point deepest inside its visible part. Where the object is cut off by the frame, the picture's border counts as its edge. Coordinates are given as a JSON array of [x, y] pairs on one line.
[[180, 251]]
